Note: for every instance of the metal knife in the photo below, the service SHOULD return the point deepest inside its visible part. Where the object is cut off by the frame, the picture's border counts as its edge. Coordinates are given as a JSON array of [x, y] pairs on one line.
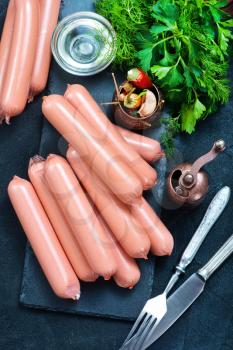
[[188, 292]]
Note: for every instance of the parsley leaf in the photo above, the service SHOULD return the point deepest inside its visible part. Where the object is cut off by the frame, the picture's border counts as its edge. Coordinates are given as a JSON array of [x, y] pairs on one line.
[[174, 78], [190, 114], [166, 12], [159, 28], [145, 57], [160, 71]]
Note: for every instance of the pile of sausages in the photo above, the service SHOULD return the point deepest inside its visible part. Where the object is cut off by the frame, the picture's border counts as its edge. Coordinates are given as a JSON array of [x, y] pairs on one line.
[[25, 53], [85, 215]]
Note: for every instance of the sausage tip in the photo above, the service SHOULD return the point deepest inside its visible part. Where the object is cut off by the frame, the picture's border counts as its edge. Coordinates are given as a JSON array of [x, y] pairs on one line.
[[93, 277], [151, 183], [16, 177], [107, 277], [51, 156], [77, 296], [30, 98], [158, 156], [7, 119], [36, 159], [143, 254], [166, 248]]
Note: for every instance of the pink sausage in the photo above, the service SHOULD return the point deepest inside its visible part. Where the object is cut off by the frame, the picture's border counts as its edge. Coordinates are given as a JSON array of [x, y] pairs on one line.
[[133, 239], [43, 239], [100, 156], [147, 148], [80, 215], [49, 11], [81, 99], [161, 239], [21, 58], [5, 45], [56, 217], [127, 274]]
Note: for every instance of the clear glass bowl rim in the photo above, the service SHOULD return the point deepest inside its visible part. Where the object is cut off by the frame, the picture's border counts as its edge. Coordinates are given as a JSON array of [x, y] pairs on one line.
[[62, 24]]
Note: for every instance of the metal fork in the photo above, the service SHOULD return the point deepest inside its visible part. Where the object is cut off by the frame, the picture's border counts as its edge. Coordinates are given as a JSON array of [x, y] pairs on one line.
[[155, 308]]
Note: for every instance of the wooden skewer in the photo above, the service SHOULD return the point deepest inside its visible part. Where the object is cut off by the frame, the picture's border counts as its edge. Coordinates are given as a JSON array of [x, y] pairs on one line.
[[147, 124], [116, 86], [110, 103]]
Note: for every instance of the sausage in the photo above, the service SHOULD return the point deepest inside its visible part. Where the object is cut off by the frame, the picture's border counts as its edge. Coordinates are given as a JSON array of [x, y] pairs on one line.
[[61, 227], [81, 99], [116, 174], [21, 58], [43, 239], [5, 45], [147, 148], [143, 146], [127, 274], [133, 239], [79, 214], [49, 11], [161, 239]]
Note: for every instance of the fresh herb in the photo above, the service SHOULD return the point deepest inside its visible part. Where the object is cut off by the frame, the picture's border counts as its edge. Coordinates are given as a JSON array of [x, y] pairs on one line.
[[127, 18], [186, 49], [184, 44], [172, 128]]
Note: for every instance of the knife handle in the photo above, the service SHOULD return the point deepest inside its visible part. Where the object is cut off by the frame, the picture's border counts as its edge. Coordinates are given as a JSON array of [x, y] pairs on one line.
[[212, 214], [222, 254]]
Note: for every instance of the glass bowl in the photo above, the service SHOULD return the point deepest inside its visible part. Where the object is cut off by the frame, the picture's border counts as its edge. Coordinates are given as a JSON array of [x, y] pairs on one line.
[[84, 43]]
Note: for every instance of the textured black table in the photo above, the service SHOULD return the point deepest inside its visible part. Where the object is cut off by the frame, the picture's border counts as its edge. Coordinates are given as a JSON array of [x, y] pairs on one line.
[[208, 325]]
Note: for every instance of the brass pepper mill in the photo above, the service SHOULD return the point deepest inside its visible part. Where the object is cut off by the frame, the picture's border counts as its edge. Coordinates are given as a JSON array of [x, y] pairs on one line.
[[187, 183]]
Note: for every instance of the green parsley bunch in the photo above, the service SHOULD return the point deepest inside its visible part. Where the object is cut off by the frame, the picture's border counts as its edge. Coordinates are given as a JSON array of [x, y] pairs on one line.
[[187, 51]]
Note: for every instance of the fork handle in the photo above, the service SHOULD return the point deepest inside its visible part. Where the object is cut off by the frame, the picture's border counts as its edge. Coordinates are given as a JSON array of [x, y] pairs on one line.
[[222, 254], [212, 214]]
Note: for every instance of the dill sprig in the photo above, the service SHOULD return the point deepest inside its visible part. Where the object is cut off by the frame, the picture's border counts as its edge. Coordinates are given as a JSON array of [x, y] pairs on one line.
[[172, 128], [127, 18]]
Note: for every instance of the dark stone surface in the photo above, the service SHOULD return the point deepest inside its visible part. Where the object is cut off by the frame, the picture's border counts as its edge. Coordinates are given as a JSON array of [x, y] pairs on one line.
[[207, 325]]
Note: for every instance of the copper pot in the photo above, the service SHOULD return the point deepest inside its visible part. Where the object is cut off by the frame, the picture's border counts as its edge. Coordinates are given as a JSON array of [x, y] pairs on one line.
[[137, 123]]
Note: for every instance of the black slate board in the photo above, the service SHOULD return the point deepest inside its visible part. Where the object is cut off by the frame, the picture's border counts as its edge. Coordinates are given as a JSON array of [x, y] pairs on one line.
[[97, 299], [102, 298]]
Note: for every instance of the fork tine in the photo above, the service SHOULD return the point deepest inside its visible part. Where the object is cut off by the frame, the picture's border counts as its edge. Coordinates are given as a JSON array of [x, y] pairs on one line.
[[143, 336], [141, 328], [133, 338], [146, 342], [137, 336], [137, 322]]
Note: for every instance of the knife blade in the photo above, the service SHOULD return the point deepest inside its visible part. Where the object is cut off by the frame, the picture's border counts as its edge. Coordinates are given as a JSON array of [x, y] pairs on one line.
[[188, 292]]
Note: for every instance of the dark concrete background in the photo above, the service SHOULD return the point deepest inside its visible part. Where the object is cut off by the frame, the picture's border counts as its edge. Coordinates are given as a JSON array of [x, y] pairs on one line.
[[207, 325]]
